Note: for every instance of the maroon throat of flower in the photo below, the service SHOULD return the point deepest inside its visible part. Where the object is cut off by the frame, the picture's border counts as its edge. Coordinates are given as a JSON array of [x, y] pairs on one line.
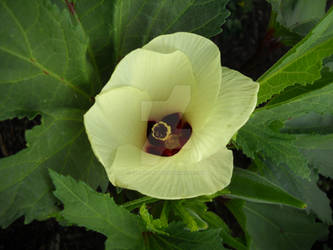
[[167, 136]]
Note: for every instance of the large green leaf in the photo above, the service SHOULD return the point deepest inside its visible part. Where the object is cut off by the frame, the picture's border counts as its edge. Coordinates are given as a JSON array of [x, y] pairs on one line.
[[44, 69], [302, 64], [275, 227], [136, 22], [85, 207], [250, 186], [262, 132]]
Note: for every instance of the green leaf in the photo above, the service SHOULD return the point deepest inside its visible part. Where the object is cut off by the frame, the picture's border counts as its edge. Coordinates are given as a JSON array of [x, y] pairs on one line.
[[215, 222], [181, 239], [188, 213], [152, 225], [250, 186], [302, 64], [274, 227], [60, 143], [136, 22], [262, 135], [95, 19], [44, 69], [318, 149], [296, 90], [306, 190], [309, 124], [96, 211], [235, 206], [43, 60], [298, 15]]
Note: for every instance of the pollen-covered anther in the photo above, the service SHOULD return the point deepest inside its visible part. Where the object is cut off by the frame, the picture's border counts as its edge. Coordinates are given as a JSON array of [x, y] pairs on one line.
[[161, 131]]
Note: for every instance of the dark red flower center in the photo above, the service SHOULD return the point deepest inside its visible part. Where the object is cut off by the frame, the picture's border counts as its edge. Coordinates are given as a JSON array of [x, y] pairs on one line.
[[167, 136]]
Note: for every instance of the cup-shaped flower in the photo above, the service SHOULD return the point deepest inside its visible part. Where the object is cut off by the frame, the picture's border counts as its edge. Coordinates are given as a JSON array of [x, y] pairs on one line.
[[161, 124]]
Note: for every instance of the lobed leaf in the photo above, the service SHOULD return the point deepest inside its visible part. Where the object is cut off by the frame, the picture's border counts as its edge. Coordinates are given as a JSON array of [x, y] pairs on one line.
[[44, 69]]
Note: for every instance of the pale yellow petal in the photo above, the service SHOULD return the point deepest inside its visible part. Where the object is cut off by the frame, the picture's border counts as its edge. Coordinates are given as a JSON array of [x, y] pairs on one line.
[[237, 100], [115, 119], [205, 59], [170, 177], [167, 78]]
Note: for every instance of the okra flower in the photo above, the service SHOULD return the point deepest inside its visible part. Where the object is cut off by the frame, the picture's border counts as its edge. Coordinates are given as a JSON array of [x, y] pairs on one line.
[[161, 124]]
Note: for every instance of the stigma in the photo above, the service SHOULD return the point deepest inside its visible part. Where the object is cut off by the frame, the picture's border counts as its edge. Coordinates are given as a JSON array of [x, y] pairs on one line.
[[161, 131], [167, 136]]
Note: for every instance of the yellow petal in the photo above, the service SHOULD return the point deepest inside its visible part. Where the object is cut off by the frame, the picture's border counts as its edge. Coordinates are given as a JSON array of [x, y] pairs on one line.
[[167, 78], [115, 119], [170, 177], [236, 101], [205, 59]]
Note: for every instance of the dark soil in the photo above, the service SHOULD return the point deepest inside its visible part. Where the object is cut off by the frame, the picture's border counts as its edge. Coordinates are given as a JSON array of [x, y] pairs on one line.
[[246, 45]]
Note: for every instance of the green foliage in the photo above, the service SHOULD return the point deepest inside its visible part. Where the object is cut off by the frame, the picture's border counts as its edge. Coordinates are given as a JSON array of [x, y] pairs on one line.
[[85, 207], [214, 221], [44, 70], [179, 238], [298, 89], [96, 20], [302, 64], [306, 190], [248, 185], [318, 149], [274, 227], [262, 133], [298, 16], [136, 22], [152, 225]]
